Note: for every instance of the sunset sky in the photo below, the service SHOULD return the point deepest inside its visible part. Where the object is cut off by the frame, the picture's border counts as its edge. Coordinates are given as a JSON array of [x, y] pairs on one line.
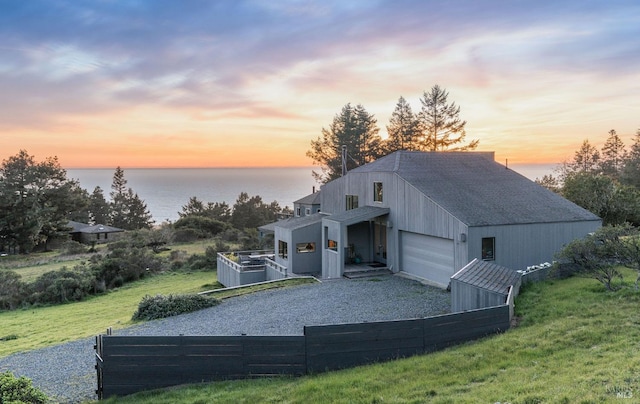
[[159, 83]]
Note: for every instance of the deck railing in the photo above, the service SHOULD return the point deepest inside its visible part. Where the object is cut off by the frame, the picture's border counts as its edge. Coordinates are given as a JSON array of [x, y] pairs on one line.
[[244, 267]]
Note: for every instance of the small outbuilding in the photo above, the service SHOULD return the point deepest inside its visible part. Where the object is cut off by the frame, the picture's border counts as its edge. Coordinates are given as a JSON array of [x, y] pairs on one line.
[[97, 233], [481, 284]]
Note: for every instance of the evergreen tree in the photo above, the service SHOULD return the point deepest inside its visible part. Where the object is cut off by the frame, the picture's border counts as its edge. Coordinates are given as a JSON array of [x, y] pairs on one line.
[[440, 124], [613, 156], [354, 128], [585, 160], [36, 200], [218, 210], [119, 200], [251, 212], [403, 129], [128, 211], [631, 171], [138, 216], [98, 207]]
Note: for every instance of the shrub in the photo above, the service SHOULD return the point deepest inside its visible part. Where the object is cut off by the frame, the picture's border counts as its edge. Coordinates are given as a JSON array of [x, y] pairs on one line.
[[187, 235], [127, 265], [208, 260], [71, 247], [159, 306], [12, 291], [62, 286], [19, 390], [204, 225]]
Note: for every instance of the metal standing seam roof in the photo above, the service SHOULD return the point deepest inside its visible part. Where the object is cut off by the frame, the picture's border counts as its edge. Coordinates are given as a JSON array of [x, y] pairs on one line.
[[488, 276], [477, 190]]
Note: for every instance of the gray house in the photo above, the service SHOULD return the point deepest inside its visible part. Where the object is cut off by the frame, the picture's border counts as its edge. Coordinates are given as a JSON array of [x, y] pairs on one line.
[[298, 245], [308, 205], [427, 215], [97, 233]]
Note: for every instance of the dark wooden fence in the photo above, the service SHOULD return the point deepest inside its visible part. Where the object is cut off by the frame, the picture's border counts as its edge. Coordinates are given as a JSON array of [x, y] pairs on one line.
[[126, 365]]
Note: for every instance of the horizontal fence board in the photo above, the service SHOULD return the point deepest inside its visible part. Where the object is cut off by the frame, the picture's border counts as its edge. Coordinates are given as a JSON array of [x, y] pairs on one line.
[[335, 329], [359, 346], [128, 364]]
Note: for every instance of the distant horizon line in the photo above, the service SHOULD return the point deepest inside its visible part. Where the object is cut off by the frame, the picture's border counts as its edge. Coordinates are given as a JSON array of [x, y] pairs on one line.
[[186, 168], [252, 167]]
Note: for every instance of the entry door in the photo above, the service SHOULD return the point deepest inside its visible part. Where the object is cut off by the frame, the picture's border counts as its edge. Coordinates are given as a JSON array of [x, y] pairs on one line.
[[380, 242]]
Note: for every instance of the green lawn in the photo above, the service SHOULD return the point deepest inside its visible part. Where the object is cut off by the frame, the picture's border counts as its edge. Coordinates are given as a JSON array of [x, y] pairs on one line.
[[24, 330], [576, 343]]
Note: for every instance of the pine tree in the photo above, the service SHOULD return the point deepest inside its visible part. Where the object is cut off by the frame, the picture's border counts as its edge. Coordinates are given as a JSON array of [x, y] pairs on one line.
[[631, 171], [98, 207], [356, 129], [128, 211], [118, 195], [585, 160], [613, 156], [440, 124], [403, 128]]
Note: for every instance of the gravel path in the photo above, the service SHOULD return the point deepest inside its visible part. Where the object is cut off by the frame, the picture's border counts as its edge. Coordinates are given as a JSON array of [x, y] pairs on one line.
[[66, 372]]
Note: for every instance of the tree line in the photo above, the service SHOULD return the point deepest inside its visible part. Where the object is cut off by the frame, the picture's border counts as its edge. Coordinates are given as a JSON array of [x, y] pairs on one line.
[[605, 182], [37, 201], [436, 127]]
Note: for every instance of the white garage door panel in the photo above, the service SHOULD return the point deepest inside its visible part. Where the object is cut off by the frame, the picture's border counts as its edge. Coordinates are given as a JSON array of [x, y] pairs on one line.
[[427, 257]]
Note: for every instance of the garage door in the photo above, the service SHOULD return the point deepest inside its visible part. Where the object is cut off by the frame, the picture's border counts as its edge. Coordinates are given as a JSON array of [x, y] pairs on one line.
[[427, 257]]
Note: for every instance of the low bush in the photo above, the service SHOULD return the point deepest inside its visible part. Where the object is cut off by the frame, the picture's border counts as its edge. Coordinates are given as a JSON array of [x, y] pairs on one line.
[[205, 225], [71, 247], [127, 265], [63, 285], [19, 390], [12, 291], [188, 235], [208, 260], [160, 306]]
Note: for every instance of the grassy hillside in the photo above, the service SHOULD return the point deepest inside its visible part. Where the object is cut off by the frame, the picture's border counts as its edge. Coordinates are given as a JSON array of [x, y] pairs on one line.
[[23, 330], [576, 343]]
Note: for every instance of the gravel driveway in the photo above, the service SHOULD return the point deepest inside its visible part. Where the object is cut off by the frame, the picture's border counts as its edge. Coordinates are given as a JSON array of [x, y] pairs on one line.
[[66, 372]]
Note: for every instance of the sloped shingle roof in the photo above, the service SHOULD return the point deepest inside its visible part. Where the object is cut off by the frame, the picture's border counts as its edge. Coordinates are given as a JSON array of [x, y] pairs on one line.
[[293, 223], [477, 190], [77, 227], [311, 199]]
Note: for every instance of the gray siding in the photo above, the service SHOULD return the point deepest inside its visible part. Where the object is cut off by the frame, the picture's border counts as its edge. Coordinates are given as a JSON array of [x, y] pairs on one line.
[[410, 211], [308, 262], [415, 212], [232, 275], [467, 297], [523, 245]]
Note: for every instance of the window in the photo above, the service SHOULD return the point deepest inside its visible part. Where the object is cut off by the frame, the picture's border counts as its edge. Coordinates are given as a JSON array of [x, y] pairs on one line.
[[352, 202], [283, 251], [307, 211], [332, 245], [377, 192], [298, 211], [305, 248], [489, 248]]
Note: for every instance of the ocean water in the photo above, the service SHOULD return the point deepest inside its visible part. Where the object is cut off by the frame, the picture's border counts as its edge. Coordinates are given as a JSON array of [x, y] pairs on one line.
[[167, 190]]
